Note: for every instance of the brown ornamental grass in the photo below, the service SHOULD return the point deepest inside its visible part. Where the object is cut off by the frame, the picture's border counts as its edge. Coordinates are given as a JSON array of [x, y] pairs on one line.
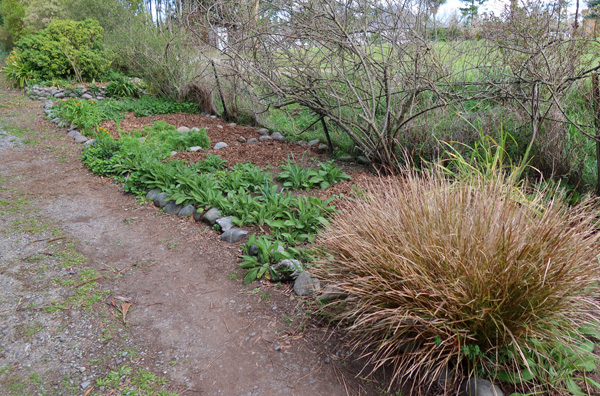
[[434, 266]]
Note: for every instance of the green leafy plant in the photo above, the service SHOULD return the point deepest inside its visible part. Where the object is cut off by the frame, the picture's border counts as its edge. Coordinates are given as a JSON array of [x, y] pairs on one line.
[[269, 253], [122, 87], [327, 175], [296, 177], [16, 71]]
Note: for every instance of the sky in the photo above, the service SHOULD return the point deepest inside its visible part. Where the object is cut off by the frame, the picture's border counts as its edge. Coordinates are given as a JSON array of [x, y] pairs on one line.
[[495, 6]]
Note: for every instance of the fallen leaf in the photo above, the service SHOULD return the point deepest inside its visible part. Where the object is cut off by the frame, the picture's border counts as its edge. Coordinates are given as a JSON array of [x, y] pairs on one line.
[[124, 309]]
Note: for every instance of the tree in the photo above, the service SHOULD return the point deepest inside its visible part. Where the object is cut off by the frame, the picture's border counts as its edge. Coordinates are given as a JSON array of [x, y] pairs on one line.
[[471, 10], [434, 6], [594, 8], [13, 12], [41, 12]]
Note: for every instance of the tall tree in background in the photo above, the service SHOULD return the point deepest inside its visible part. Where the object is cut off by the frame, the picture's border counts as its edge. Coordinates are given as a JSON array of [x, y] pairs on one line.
[[470, 10], [594, 8], [434, 6]]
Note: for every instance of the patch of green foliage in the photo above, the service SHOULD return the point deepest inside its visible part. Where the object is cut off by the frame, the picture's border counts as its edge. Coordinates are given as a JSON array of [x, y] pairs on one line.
[[122, 87], [296, 177], [244, 192], [63, 49]]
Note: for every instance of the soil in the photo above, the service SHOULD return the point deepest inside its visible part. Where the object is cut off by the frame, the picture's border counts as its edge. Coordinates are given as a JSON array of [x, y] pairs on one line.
[[99, 293]]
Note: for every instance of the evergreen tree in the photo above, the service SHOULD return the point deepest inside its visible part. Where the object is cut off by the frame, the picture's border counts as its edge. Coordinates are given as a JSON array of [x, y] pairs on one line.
[[470, 10]]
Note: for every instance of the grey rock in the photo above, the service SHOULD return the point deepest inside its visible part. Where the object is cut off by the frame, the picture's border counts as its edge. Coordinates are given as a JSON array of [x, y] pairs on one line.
[[195, 129], [313, 142], [252, 141], [56, 120], [72, 127], [85, 385], [253, 250], [234, 235], [210, 216], [213, 116], [331, 293], [172, 208], [73, 133], [59, 95], [479, 387], [87, 96], [265, 138], [301, 143], [327, 360], [186, 211], [277, 137], [161, 200], [346, 158], [220, 145], [183, 129], [232, 124], [361, 159], [241, 139], [306, 284], [262, 131], [80, 139], [89, 142], [198, 215], [152, 194], [323, 146], [48, 103], [195, 148], [99, 97], [287, 270], [225, 223], [173, 153]]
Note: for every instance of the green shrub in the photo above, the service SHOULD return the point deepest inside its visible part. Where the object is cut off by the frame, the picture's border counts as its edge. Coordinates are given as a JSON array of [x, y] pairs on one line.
[[65, 49], [85, 114], [16, 71], [167, 135], [445, 273]]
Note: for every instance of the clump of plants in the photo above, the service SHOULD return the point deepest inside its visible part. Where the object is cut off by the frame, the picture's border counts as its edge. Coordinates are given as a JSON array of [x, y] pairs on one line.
[[465, 275], [270, 252], [64, 49], [297, 177], [123, 87]]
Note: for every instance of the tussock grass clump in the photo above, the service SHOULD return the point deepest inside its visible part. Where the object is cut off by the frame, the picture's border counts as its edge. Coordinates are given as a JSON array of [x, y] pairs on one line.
[[456, 274]]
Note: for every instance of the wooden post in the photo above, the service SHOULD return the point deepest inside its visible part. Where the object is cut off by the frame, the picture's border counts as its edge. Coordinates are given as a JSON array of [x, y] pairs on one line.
[[324, 124], [596, 99]]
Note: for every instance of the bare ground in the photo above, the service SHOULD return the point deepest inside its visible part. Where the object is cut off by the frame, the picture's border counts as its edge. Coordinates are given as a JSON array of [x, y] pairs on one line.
[[102, 295]]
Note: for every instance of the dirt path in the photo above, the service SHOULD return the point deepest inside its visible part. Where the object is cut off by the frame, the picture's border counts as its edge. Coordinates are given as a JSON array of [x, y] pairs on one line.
[[76, 256]]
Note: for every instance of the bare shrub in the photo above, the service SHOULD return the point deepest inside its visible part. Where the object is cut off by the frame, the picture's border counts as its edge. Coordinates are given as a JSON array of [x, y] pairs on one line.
[[434, 266]]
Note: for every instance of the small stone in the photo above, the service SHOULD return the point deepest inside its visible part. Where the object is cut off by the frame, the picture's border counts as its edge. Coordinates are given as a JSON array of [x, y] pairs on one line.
[[361, 159], [183, 129], [345, 158], [252, 141], [85, 384], [234, 235], [265, 138], [277, 137], [89, 142], [225, 223], [73, 133], [327, 360], [323, 147], [198, 215], [232, 124], [81, 369], [262, 131], [195, 148], [277, 347], [286, 270], [80, 139], [59, 95], [220, 145], [186, 211], [479, 387], [55, 120], [195, 129], [152, 194], [87, 96], [313, 142], [253, 250], [301, 143], [172, 208], [241, 139], [211, 216], [161, 200], [173, 153], [306, 284]]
